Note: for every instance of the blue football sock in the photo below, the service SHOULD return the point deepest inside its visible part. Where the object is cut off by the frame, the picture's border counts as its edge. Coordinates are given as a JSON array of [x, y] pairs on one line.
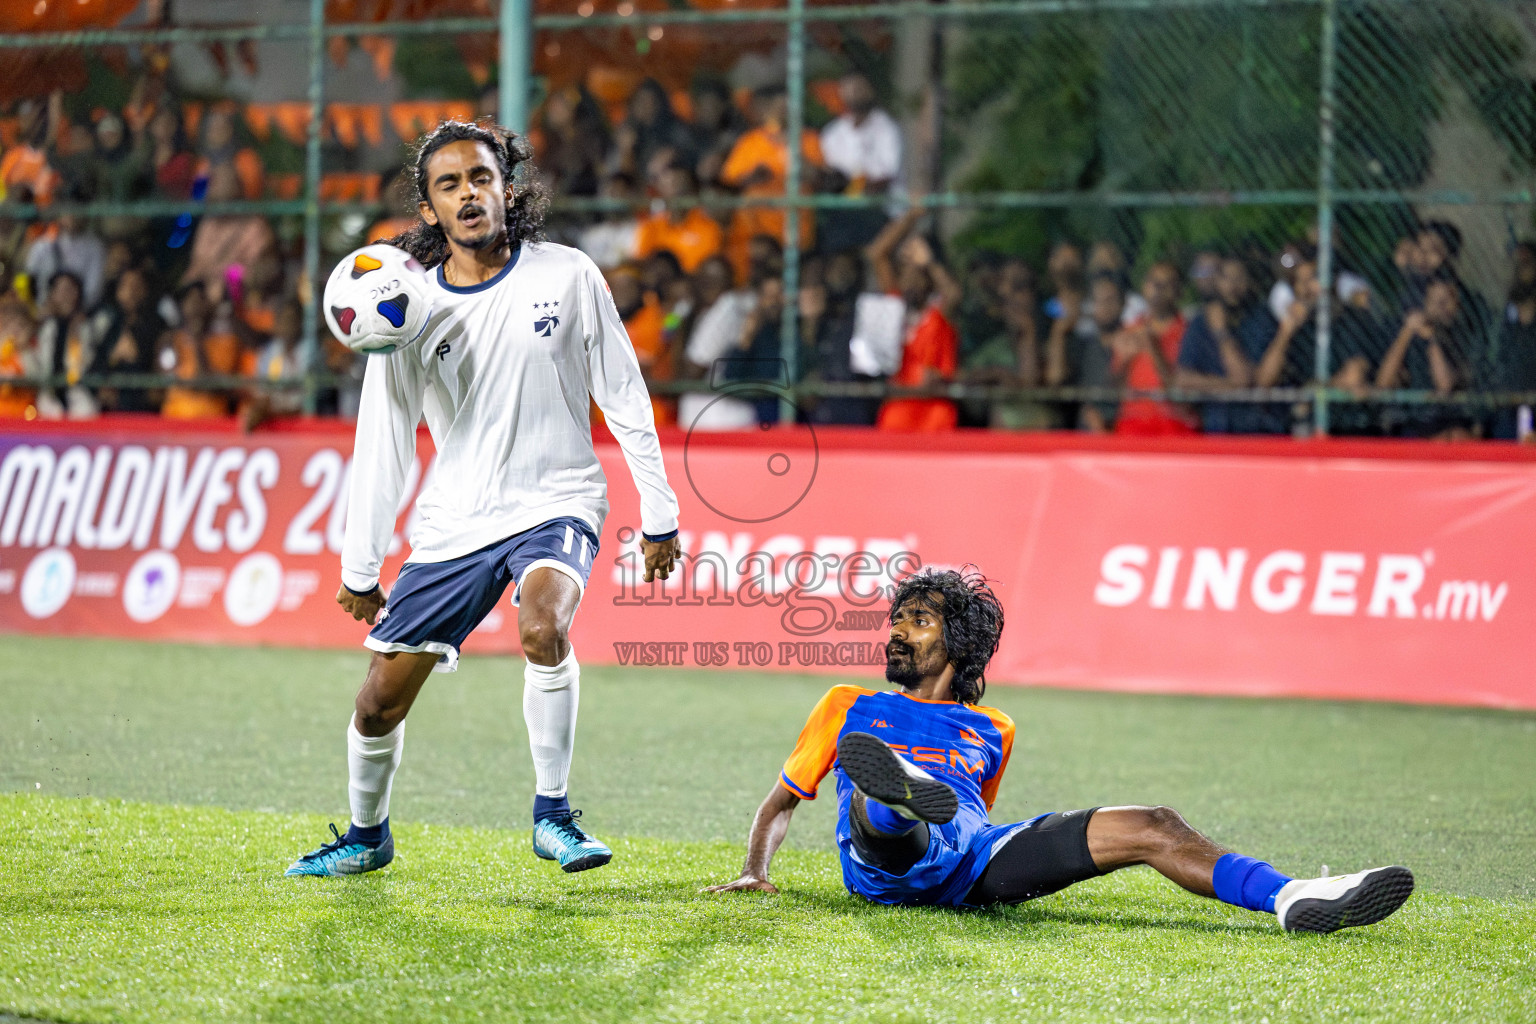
[[549, 807], [887, 821], [1245, 882], [369, 835]]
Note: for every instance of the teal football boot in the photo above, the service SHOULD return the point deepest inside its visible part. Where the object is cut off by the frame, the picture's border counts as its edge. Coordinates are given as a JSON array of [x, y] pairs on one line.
[[561, 839], [342, 857]]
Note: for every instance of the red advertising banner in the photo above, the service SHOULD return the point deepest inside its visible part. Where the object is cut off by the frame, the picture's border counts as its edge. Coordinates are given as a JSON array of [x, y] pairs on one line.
[[1349, 570]]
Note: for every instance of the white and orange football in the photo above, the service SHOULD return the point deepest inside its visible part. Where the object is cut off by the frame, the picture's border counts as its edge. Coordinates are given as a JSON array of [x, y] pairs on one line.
[[377, 299]]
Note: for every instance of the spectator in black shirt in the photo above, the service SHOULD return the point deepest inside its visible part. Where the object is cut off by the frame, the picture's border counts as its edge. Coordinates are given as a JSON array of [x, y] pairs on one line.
[[1091, 356], [717, 123], [1225, 340], [1431, 255], [1436, 349], [1290, 361], [652, 136], [1514, 364], [575, 141], [826, 324], [128, 333]]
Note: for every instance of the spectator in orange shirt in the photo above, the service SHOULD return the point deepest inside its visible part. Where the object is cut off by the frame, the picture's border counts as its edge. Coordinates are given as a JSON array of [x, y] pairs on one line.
[[757, 169], [645, 323], [17, 354], [931, 350], [610, 240], [395, 192], [1146, 355], [689, 234], [262, 293], [281, 359], [188, 354], [26, 163]]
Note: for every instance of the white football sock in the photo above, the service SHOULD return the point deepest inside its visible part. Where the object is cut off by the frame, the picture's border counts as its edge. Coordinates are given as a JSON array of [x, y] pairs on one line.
[[550, 696], [371, 764]]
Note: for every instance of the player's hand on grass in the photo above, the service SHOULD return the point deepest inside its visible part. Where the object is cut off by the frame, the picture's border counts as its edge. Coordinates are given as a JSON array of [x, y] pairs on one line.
[[660, 557], [364, 607], [746, 883]]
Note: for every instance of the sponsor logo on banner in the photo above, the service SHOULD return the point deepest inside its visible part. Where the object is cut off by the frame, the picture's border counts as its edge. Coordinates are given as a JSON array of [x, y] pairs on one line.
[[254, 588], [1340, 583], [48, 582], [151, 586]]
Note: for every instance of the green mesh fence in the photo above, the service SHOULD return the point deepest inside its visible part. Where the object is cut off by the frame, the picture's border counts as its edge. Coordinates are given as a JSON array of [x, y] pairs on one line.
[[1382, 150]]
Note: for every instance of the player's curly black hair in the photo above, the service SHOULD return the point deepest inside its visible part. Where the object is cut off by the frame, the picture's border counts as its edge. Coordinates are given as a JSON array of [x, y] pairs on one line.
[[973, 621], [525, 214]]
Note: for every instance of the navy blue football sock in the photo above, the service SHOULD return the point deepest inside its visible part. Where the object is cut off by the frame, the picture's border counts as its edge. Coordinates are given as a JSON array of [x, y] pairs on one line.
[[1245, 882], [549, 807], [368, 835], [886, 821]]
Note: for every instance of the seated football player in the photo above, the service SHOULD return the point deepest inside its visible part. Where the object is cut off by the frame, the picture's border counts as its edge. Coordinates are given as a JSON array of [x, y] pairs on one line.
[[918, 766]]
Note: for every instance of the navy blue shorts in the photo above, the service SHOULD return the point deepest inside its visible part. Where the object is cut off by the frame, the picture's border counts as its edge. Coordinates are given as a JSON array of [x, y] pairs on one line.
[[435, 605]]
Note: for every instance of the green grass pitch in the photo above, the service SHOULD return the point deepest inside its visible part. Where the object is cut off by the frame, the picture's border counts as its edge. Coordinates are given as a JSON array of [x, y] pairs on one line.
[[150, 796]]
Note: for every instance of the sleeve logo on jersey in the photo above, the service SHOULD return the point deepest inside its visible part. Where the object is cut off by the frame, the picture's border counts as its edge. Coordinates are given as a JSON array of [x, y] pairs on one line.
[[544, 323]]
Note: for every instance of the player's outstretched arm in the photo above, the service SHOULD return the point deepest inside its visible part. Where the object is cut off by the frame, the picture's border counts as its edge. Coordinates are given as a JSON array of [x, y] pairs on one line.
[[618, 388], [769, 827], [393, 389]]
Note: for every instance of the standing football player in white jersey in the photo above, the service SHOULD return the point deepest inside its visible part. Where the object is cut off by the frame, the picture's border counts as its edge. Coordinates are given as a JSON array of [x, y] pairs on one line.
[[522, 332]]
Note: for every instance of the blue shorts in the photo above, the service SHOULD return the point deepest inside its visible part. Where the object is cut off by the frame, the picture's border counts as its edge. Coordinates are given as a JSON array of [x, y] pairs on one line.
[[435, 605], [971, 862], [957, 855]]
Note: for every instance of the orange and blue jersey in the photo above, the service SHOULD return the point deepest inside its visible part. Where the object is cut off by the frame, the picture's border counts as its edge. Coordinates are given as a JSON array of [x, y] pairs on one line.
[[966, 746]]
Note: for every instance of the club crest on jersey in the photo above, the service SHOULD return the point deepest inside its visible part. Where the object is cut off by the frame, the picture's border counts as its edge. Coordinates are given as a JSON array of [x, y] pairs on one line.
[[546, 318]]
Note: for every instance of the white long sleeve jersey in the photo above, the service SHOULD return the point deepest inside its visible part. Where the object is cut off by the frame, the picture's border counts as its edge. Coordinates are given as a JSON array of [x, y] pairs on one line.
[[502, 372]]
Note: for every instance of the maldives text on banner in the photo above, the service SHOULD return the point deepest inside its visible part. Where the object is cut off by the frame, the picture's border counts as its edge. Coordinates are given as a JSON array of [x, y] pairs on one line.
[[1270, 571]]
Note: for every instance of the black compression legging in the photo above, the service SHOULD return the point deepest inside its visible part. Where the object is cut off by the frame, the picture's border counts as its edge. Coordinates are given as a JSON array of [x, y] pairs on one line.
[[1048, 855]]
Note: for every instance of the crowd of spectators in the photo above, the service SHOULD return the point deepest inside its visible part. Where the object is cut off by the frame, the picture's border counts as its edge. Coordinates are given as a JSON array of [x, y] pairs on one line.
[[213, 302], [701, 291], [700, 286]]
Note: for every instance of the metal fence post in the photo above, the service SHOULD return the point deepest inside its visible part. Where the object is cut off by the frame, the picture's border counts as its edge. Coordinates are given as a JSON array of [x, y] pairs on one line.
[[1325, 199], [312, 295], [516, 64], [789, 320]]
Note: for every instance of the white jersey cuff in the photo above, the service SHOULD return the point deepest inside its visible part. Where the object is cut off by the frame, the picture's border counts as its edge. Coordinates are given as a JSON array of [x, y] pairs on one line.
[[358, 582], [659, 528]]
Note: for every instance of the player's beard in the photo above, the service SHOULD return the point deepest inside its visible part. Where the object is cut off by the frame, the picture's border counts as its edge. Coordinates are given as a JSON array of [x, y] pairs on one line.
[[485, 236], [901, 666]]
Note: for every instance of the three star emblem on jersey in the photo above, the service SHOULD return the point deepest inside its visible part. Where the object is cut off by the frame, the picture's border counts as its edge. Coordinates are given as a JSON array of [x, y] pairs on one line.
[[544, 324]]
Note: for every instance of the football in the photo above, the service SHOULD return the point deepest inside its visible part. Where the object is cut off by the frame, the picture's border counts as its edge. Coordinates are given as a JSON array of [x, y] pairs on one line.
[[377, 299]]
